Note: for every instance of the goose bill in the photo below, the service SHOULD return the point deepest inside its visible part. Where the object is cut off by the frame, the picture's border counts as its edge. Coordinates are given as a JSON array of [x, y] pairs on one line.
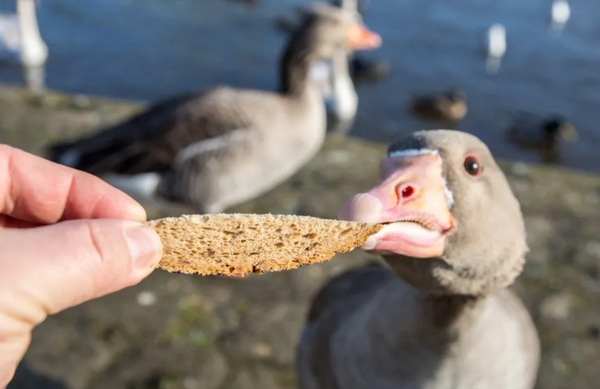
[[413, 202], [361, 38]]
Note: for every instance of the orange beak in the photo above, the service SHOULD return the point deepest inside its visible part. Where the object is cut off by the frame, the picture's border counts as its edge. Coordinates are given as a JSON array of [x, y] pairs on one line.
[[361, 38], [414, 202]]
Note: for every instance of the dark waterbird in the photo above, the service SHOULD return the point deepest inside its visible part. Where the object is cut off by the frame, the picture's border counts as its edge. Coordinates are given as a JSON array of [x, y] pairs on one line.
[[448, 107], [542, 135]]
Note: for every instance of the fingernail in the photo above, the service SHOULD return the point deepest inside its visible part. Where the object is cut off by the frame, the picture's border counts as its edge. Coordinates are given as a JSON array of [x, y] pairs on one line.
[[144, 246]]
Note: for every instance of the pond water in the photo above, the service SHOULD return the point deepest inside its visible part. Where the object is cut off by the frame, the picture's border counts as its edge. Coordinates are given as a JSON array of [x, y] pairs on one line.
[[150, 49]]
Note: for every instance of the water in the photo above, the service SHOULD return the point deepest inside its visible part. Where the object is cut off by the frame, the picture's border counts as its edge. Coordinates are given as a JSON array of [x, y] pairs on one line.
[[150, 49]]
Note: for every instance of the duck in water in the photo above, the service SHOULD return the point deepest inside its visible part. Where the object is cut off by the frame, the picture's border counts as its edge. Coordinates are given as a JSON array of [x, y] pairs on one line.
[[448, 108], [541, 135]]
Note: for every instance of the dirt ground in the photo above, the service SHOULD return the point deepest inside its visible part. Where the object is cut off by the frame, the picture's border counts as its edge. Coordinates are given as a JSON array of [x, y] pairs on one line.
[[179, 331]]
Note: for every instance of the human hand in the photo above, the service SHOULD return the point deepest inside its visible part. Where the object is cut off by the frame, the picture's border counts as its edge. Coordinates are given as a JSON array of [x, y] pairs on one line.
[[55, 252]]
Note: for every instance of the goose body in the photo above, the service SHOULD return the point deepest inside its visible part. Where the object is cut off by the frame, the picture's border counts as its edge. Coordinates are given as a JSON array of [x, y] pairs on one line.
[[341, 99], [436, 314], [342, 110], [495, 47], [219, 147], [20, 39], [337, 76], [447, 107], [496, 41]]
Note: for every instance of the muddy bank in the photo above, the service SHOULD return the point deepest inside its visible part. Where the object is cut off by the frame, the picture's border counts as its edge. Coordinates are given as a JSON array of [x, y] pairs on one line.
[[178, 331]]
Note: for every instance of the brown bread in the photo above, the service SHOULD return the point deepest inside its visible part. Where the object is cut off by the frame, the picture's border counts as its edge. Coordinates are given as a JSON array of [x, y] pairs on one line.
[[240, 244]]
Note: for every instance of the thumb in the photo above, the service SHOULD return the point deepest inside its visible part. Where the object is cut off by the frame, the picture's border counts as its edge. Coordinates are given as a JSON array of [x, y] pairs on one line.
[[47, 269]]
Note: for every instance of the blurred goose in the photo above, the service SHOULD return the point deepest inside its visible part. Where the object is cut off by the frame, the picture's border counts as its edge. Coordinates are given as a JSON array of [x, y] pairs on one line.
[[448, 107], [438, 314], [220, 147], [542, 135], [496, 46], [20, 38], [561, 12], [496, 40], [333, 78], [360, 69], [341, 99], [337, 76]]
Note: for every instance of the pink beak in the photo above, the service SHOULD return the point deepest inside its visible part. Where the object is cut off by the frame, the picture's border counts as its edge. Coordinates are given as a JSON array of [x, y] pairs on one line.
[[413, 198]]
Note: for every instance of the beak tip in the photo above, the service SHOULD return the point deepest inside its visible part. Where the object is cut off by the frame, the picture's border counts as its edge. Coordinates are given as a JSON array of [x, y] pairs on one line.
[[369, 244], [364, 208]]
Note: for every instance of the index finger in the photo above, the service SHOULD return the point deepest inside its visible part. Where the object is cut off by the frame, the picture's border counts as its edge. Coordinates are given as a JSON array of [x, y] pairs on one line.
[[39, 191]]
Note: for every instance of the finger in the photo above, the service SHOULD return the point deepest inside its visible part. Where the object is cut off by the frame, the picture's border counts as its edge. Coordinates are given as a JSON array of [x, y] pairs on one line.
[[11, 352], [39, 191], [70, 262]]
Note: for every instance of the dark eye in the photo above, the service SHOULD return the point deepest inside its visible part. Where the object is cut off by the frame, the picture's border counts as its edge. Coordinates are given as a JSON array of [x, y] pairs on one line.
[[472, 165]]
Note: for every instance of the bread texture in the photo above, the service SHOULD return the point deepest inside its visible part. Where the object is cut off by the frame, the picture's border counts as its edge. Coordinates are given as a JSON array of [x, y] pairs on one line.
[[240, 244]]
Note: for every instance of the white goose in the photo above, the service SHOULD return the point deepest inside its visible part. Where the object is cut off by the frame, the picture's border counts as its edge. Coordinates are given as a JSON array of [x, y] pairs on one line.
[[496, 46], [336, 85], [561, 12], [21, 42], [20, 38]]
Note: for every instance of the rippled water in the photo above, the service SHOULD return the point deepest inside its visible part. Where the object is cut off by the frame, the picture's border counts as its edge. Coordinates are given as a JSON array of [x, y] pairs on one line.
[[148, 49]]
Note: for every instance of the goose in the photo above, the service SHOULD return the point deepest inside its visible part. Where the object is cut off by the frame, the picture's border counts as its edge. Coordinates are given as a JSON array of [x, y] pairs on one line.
[[361, 70], [543, 135], [334, 79], [496, 40], [561, 12], [496, 46], [341, 99], [436, 313], [345, 76], [450, 106], [217, 148], [21, 40]]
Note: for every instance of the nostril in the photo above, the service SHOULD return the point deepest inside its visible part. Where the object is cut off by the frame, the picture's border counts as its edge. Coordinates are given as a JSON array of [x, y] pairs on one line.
[[407, 191]]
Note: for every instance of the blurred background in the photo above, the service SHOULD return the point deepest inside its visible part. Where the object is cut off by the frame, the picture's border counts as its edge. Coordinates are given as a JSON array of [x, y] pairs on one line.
[[151, 49], [108, 58]]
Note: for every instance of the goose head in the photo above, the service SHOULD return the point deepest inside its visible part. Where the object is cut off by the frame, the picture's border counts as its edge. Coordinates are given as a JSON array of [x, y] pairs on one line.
[[333, 29], [453, 225]]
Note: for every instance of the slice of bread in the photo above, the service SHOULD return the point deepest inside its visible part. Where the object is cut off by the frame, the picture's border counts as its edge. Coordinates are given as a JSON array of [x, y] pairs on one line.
[[240, 244]]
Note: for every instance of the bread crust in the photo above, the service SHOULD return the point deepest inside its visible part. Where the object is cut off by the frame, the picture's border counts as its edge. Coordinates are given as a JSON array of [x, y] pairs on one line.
[[240, 244]]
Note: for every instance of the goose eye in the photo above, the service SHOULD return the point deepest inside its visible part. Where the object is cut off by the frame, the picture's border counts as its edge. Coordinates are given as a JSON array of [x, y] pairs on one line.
[[472, 165]]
